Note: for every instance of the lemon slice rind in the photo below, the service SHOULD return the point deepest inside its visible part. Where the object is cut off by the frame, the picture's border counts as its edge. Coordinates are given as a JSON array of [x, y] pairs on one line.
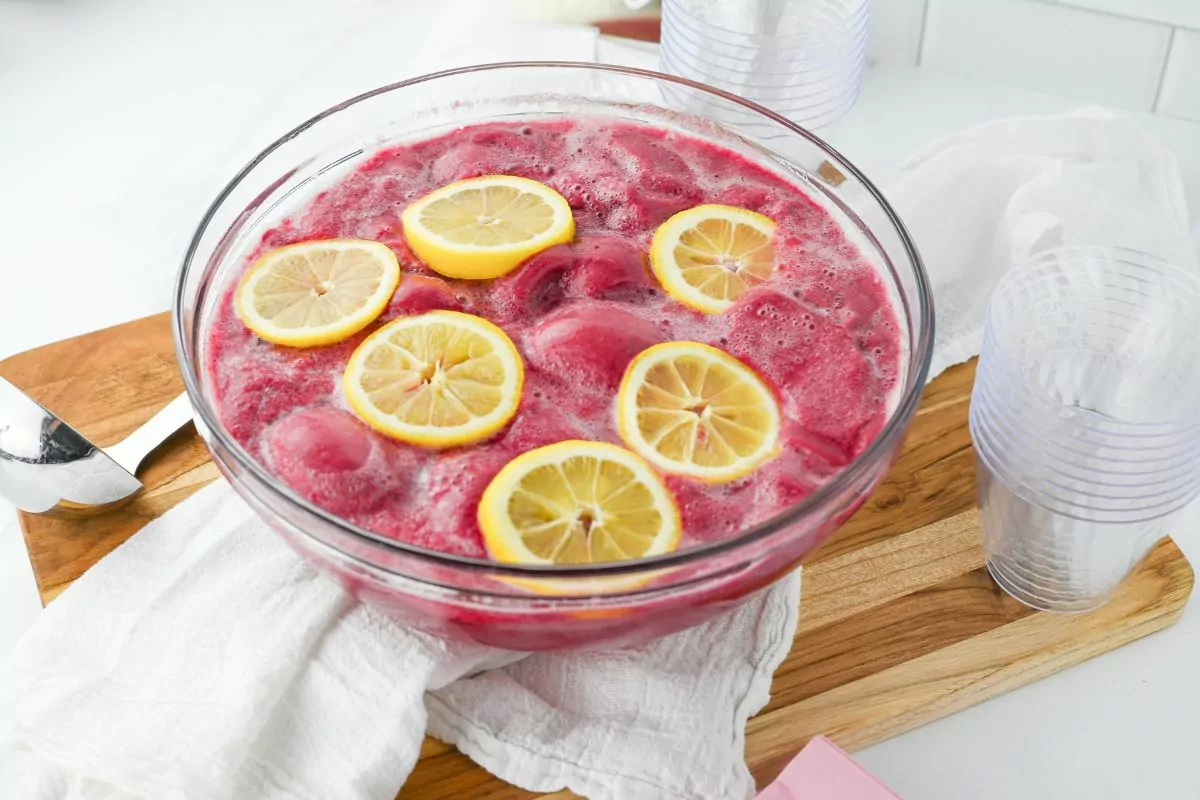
[[719, 395], [384, 366], [328, 289]]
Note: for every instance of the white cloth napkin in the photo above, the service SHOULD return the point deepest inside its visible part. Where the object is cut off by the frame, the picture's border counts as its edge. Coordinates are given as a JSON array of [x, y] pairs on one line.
[[204, 659], [981, 201]]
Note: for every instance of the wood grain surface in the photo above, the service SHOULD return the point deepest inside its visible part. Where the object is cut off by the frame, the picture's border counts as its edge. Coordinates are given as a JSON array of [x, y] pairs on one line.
[[900, 623]]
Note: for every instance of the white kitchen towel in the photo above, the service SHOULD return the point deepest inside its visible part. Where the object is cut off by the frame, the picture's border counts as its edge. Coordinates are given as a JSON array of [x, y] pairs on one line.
[[204, 659], [981, 201]]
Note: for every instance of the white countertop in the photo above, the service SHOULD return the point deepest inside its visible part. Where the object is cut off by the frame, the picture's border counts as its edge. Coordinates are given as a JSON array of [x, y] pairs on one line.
[[122, 120]]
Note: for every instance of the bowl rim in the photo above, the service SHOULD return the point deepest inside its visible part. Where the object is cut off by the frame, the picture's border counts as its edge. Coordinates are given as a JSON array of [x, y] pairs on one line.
[[917, 368]]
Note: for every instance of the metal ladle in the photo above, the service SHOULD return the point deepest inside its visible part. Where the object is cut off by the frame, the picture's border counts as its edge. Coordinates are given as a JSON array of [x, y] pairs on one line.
[[46, 465]]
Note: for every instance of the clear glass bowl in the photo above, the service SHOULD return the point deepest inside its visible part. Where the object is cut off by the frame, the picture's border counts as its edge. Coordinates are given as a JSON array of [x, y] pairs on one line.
[[537, 608]]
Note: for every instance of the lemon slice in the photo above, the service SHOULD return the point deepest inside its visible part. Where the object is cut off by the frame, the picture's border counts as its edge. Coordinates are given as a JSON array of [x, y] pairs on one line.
[[438, 379], [709, 256], [484, 227], [577, 502], [317, 293], [694, 410]]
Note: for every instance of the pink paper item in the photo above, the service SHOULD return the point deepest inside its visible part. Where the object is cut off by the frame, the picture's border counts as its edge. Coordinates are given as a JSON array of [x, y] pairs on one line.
[[823, 771]]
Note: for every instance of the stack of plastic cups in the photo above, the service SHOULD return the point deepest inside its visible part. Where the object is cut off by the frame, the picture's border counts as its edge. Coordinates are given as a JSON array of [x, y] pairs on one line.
[[803, 59], [1086, 420]]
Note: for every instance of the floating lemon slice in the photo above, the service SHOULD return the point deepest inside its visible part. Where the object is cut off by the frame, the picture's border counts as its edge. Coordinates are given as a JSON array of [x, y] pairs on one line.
[[577, 502], [438, 379], [485, 227], [694, 410], [709, 256], [317, 293]]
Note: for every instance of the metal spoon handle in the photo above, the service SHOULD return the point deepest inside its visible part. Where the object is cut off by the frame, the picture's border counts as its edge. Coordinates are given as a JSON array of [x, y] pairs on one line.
[[130, 451]]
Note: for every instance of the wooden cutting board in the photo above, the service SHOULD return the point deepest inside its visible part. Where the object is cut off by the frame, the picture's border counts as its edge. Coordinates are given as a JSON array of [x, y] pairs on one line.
[[900, 623]]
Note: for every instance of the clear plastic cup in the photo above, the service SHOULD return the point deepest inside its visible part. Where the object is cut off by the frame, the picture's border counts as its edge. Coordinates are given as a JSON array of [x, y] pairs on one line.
[[750, 48], [803, 59], [786, 21], [1085, 417], [814, 116], [785, 99], [817, 105], [827, 74]]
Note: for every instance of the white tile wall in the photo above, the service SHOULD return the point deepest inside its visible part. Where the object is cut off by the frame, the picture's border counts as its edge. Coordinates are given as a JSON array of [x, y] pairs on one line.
[[1052, 48], [1172, 12], [1180, 94], [894, 31]]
